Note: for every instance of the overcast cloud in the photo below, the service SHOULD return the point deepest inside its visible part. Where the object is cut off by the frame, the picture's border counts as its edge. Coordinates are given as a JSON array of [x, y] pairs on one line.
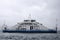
[[44, 11]]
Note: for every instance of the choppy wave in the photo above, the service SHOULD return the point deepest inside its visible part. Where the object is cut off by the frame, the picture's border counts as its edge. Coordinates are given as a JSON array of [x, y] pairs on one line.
[[32, 36]]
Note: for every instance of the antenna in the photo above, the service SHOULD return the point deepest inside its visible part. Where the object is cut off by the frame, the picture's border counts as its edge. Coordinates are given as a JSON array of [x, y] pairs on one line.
[[56, 24], [29, 17]]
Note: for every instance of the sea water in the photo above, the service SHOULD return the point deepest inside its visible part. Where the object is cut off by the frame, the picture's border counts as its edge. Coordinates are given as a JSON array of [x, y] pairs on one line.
[[29, 36]]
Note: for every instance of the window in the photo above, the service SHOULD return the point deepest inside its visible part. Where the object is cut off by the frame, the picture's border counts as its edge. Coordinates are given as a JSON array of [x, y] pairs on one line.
[[31, 27], [32, 20]]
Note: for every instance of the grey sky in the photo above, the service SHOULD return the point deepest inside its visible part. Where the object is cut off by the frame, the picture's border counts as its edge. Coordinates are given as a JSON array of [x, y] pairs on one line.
[[44, 11]]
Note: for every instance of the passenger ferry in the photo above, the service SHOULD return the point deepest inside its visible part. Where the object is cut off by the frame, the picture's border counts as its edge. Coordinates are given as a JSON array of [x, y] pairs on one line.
[[30, 26]]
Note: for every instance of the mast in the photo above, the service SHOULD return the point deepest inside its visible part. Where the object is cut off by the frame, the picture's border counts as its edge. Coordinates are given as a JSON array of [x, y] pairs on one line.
[[29, 17], [56, 24]]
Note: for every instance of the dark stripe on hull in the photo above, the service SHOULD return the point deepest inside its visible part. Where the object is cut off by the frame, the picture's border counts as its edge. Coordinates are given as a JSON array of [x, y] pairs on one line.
[[6, 31]]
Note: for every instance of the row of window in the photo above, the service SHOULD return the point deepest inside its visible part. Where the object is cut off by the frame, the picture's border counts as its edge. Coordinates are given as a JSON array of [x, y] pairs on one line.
[[28, 24], [29, 20]]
